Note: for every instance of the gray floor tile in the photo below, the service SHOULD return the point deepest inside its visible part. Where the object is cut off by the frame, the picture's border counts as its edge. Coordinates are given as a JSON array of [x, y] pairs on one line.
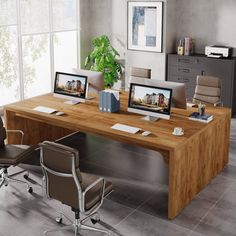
[[228, 201], [193, 213], [113, 213], [218, 222], [229, 171], [216, 188], [195, 234], [156, 205], [18, 208], [232, 158], [141, 224], [221, 219]]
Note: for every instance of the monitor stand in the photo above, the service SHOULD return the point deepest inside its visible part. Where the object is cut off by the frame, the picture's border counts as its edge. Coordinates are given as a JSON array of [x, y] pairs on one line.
[[150, 118], [70, 102], [90, 98]]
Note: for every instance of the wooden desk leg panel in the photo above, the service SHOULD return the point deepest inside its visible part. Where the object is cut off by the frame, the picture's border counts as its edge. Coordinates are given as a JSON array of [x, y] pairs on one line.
[[193, 166], [34, 131]]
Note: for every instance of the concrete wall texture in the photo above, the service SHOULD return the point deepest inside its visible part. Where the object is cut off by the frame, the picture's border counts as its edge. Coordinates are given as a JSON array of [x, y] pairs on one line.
[[208, 22]]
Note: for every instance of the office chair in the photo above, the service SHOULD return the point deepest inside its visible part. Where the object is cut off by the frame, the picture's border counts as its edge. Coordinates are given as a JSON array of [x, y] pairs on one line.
[[63, 181], [208, 91], [140, 72], [12, 155]]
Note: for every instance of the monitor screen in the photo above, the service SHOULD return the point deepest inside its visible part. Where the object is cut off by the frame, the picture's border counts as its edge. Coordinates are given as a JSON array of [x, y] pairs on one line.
[[150, 98], [70, 85]]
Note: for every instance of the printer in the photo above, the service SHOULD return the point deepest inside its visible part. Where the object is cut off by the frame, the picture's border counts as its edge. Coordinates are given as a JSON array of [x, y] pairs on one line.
[[218, 51]]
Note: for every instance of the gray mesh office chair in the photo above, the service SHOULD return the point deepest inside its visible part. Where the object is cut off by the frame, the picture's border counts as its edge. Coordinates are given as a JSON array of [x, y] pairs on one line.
[[12, 155], [63, 181]]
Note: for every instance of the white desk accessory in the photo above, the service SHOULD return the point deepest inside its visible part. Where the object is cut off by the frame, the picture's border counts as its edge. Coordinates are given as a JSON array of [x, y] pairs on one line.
[[125, 128], [146, 133], [43, 109], [178, 131]]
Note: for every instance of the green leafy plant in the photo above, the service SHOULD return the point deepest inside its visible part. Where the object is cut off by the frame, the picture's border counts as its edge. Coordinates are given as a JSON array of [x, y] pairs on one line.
[[103, 58]]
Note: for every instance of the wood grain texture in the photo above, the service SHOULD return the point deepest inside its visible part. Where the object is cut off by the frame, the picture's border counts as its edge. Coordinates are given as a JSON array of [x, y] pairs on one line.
[[194, 159]]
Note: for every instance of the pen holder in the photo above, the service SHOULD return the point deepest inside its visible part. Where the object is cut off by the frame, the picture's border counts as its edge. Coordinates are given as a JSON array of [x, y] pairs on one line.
[[109, 101]]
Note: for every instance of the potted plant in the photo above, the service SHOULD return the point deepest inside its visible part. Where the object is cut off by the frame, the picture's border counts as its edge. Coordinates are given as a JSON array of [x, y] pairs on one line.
[[103, 58]]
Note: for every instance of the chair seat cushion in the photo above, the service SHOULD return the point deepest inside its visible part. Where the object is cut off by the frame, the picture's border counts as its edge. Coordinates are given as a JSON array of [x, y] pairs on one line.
[[93, 195], [13, 154]]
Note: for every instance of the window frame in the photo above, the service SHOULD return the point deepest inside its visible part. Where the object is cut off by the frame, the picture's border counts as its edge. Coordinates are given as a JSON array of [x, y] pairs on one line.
[[51, 33]]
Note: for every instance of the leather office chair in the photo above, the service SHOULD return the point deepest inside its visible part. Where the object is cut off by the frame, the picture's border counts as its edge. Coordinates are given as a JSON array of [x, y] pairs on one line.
[[208, 90], [63, 181], [12, 155], [140, 72]]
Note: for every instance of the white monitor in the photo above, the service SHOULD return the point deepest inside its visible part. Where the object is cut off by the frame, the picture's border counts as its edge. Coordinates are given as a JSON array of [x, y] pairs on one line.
[[152, 101], [95, 80], [178, 90], [70, 86]]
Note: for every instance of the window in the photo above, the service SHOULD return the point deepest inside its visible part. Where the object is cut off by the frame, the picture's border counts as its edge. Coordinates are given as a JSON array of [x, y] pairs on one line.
[[37, 38]]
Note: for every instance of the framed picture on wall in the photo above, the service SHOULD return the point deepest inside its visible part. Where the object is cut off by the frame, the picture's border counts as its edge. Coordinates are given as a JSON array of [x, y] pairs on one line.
[[145, 26]]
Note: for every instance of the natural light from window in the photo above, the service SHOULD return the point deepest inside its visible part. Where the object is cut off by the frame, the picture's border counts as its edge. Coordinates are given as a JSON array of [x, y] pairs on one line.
[[37, 38]]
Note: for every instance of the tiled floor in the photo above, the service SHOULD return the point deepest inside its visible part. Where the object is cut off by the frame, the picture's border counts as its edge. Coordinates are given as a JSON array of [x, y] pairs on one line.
[[136, 207]]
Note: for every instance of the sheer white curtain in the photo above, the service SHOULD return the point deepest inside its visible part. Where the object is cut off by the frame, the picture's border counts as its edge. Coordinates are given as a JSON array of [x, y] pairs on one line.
[[37, 38]]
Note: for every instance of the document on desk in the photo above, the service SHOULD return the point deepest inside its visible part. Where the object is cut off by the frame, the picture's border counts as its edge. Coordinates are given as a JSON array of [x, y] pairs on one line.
[[47, 110], [126, 128]]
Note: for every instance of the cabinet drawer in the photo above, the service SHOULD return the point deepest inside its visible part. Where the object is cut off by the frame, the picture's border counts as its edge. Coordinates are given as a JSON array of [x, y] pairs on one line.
[[177, 60], [186, 61], [183, 71], [189, 81]]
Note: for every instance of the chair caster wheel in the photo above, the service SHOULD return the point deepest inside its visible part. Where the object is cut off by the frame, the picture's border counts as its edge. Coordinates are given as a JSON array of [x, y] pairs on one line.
[[59, 220], [30, 190], [26, 176], [95, 221]]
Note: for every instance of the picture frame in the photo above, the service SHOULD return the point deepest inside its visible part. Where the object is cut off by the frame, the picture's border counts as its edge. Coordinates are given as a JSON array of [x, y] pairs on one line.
[[145, 25]]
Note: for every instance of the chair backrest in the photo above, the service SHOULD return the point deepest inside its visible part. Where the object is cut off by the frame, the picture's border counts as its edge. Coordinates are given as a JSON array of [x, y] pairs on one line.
[[208, 90], [2, 133], [60, 166], [140, 72]]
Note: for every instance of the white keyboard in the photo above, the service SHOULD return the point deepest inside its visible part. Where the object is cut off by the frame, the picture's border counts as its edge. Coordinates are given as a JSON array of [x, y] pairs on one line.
[[47, 110], [126, 128]]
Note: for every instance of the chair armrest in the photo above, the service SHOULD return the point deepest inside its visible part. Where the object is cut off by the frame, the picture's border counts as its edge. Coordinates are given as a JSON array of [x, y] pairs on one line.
[[94, 184], [17, 131], [90, 187]]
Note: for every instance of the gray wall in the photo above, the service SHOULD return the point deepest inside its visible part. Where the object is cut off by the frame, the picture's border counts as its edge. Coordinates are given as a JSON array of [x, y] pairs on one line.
[[94, 15], [154, 61], [110, 17], [207, 21], [85, 45]]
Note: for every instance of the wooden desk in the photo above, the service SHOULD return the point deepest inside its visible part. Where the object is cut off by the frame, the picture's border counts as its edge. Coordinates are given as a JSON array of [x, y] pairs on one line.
[[193, 159]]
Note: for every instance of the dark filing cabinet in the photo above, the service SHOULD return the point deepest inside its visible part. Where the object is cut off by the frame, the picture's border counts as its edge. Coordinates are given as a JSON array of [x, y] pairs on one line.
[[185, 69]]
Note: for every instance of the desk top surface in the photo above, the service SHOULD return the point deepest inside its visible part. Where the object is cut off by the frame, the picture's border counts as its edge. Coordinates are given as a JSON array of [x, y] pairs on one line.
[[87, 118]]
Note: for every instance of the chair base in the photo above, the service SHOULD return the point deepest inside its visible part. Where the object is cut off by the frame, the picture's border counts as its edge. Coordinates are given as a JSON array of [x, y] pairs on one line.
[[5, 179], [78, 225]]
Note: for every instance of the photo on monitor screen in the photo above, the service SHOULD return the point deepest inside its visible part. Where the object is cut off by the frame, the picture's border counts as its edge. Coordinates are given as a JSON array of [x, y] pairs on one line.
[[149, 98], [70, 84]]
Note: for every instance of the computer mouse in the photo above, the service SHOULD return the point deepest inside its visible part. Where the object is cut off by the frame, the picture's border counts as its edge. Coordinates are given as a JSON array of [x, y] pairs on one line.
[[59, 113], [146, 133]]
